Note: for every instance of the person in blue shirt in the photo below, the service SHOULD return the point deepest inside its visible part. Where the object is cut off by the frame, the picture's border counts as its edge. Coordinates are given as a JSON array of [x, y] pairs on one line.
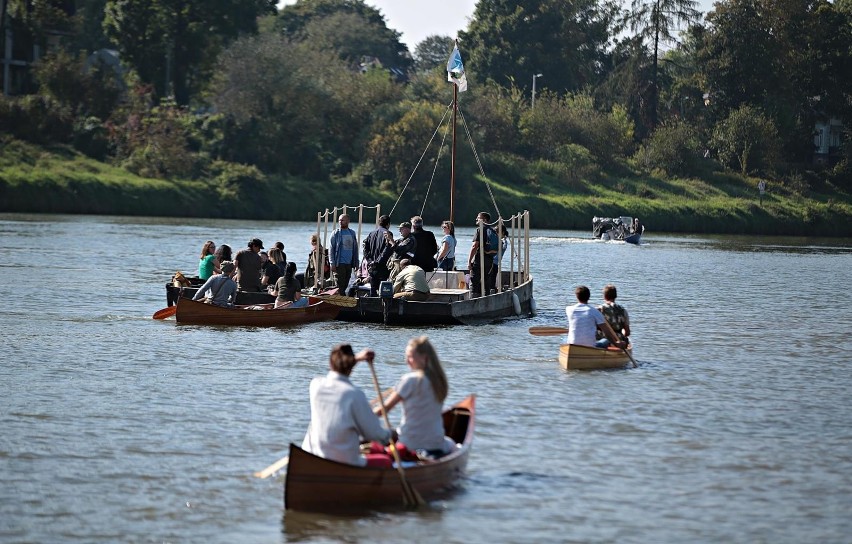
[[343, 256]]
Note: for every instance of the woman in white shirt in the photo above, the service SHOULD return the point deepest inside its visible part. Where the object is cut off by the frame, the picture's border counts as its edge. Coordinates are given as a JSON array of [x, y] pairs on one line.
[[446, 256], [422, 392]]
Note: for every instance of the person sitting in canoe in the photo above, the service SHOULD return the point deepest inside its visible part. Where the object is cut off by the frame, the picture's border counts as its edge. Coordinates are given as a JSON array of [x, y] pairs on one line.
[[410, 283], [341, 415], [288, 290], [616, 315], [584, 321], [221, 288], [422, 392]]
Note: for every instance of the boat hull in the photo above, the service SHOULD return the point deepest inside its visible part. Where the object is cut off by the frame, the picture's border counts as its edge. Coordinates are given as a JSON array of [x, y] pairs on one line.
[[314, 484], [192, 312], [244, 298], [444, 312], [574, 357]]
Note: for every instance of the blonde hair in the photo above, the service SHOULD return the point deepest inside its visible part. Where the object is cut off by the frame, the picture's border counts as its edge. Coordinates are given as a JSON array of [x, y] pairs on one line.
[[276, 255], [432, 369]]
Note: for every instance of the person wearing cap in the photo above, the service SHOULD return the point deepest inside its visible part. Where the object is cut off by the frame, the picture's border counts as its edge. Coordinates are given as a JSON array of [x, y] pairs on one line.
[[375, 245], [341, 416], [398, 250], [343, 256], [410, 283], [249, 266], [427, 246], [219, 289]]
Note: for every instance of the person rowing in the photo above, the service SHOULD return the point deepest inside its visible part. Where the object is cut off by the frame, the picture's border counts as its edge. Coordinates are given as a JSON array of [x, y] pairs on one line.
[[584, 321]]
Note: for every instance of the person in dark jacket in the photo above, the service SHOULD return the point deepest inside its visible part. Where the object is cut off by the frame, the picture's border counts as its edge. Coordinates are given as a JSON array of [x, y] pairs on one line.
[[427, 246]]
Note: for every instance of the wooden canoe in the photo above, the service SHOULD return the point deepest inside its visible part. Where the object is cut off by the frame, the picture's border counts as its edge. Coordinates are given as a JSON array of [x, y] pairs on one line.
[[193, 312], [314, 484], [574, 357]]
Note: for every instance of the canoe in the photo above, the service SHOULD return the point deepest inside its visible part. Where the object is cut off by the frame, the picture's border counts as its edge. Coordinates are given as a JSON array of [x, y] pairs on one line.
[[574, 357], [314, 484], [173, 293], [192, 312]]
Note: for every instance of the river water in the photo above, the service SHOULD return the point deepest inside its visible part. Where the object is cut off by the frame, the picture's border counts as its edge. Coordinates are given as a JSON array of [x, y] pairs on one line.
[[736, 427]]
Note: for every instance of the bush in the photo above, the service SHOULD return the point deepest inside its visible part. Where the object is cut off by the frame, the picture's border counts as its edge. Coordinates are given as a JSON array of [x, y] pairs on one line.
[[747, 141], [36, 119], [673, 147]]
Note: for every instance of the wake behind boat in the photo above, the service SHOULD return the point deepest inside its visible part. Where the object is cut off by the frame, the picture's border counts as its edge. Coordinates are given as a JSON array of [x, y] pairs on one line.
[[315, 484]]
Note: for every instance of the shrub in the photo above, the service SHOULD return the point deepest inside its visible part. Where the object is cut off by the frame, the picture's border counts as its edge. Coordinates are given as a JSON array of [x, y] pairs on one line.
[[747, 140], [673, 147]]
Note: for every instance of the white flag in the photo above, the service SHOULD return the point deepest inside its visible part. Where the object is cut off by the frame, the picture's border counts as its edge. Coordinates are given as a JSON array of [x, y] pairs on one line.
[[455, 70]]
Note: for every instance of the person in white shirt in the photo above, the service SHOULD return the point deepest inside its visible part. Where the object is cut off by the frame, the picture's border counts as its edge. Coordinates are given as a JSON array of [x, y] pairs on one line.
[[584, 321], [341, 416], [422, 392]]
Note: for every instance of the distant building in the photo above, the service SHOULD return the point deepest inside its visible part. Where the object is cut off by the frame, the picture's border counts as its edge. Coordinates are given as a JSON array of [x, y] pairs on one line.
[[828, 139]]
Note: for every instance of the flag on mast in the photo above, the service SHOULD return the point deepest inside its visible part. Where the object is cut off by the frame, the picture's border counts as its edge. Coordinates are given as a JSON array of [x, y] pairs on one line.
[[455, 70]]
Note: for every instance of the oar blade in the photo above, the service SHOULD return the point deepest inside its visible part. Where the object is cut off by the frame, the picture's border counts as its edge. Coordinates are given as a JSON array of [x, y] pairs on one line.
[[165, 312], [338, 300], [547, 331]]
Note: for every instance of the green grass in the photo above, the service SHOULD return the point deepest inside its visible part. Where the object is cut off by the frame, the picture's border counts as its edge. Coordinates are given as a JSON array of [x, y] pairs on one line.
[[59, 180]]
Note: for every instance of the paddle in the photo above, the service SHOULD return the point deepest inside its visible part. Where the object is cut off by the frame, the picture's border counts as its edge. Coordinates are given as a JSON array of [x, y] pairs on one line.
[[338, 300], [548, 331], [632, 360], [410, 496], [165, 312], [273, 468]]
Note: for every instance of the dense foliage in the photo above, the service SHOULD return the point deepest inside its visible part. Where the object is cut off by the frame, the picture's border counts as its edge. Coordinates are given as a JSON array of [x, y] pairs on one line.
[[235, 91]]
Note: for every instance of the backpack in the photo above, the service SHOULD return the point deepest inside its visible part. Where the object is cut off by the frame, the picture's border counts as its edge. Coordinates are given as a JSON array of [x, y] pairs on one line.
[[492, 241]]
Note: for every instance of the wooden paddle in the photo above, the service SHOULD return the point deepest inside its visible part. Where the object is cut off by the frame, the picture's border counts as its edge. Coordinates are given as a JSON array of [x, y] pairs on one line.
[[273, 468], [165, 312], [410, 496], [632, 360], [548, 331], [338, 300]]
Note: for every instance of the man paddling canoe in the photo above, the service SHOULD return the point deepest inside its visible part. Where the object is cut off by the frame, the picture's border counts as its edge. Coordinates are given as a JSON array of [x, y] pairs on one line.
[[585, 320]]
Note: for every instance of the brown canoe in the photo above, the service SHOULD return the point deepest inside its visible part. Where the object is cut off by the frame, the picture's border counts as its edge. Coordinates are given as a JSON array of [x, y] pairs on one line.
[[574, 357], [315, 484], [193, 312]]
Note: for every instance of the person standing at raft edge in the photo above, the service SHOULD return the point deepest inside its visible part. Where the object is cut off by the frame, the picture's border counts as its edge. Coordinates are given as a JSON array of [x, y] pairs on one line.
[[249, 264], [344, 253], [427, 246], [584, 321]]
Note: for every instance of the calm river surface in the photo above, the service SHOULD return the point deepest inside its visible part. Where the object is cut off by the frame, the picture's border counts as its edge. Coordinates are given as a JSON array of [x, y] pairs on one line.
[[736, 427]]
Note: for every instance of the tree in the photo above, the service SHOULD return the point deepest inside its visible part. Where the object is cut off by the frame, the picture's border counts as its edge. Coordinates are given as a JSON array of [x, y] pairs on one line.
[[656, 22], [350, 28], [432, 53], [789, 58], [173, 44], [747, 140], [510, 40]]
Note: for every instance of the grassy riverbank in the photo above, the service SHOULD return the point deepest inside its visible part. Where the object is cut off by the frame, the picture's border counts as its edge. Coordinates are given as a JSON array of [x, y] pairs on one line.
[[59, 180]]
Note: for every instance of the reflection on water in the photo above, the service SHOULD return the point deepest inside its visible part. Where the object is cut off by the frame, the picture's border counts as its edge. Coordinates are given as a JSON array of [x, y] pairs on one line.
[[117, 427]]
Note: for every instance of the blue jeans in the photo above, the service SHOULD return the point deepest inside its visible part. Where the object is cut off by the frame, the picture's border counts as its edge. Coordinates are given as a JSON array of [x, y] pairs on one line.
[[447, 264], [603, 343]]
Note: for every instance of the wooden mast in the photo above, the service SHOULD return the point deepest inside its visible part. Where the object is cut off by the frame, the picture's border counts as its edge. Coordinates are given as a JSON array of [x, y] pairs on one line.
[[453, 153]]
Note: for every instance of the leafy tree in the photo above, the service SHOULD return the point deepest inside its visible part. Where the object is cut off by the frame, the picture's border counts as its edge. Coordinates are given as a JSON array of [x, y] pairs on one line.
[[674, 147], [173, 44], [510, 40], [432, 53], [747, 140], [657, 21], [351, 28], [791, 59]]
